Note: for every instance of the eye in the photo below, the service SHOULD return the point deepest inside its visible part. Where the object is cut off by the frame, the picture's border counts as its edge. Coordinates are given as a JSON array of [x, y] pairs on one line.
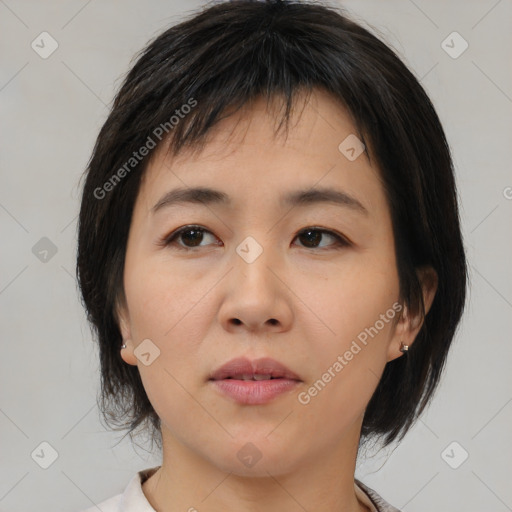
[[191, 236], [313, 235]]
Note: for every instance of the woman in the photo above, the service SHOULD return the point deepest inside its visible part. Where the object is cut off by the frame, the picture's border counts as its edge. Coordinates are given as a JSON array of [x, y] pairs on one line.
[[270, 253]]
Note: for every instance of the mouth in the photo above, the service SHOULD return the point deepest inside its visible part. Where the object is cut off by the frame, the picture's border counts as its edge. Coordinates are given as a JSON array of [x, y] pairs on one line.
[[254, 382], [255, 376], [264, 368]]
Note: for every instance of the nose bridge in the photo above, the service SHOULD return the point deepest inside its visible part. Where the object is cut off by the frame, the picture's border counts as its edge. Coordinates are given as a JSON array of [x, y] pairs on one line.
[[254, 259], [255, 296]]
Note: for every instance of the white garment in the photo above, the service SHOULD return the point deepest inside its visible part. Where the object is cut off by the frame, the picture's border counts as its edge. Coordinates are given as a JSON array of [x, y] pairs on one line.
[[133, 498]]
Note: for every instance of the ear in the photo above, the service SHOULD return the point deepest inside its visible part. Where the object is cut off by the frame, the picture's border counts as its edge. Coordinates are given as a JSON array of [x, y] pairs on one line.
[[123, 318], [409, 325]]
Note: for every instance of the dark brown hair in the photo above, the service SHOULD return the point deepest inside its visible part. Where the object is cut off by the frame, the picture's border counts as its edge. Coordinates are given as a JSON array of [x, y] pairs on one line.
[[222, 58]]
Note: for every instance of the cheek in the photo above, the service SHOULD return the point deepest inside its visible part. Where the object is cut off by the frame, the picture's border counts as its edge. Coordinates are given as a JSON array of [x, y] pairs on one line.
[[170, 311], [349, 300], [161, 300], [345, 367], [355, 305]]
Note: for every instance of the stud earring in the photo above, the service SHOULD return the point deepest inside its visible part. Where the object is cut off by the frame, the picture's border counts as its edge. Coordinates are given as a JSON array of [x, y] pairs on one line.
[[123, 345], [403, 348]]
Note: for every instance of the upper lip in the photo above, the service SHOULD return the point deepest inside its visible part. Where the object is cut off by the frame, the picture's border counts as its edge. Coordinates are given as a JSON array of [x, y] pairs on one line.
[[243, 366]]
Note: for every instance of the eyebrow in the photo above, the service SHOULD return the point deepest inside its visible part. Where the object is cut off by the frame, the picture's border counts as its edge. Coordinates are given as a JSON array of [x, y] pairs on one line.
[[205, 195]]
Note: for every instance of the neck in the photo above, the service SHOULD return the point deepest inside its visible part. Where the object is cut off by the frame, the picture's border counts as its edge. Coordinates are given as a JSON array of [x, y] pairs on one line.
[[188, 482]]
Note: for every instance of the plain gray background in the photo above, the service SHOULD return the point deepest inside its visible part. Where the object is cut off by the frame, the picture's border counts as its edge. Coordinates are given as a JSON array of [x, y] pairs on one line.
[[51, 112]]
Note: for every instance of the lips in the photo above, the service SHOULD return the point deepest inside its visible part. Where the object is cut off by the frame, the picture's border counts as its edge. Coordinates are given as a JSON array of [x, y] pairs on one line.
[[256, 382], [259, 369]]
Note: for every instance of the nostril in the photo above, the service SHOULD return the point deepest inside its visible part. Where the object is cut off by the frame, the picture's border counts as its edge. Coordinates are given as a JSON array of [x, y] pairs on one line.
[[236, 321], [273, 321]]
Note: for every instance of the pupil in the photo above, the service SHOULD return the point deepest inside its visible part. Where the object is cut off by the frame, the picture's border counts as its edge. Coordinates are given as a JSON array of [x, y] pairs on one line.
[[312, 239], [196, 238]]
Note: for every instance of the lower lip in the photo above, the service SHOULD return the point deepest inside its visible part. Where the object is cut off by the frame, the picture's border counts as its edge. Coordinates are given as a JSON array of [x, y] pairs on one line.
[[254, 392]]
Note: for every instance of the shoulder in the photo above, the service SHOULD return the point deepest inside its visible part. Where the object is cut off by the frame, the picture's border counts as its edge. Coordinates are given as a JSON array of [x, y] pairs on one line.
[[131, 500], [110, 505], [379, 504]]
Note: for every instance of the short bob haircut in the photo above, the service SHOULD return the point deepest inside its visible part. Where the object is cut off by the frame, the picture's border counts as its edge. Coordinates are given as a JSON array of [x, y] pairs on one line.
[[220, 59]]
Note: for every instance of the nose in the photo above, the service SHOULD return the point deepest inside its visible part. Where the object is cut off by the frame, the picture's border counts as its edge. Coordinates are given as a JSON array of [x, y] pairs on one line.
[[255, 294]]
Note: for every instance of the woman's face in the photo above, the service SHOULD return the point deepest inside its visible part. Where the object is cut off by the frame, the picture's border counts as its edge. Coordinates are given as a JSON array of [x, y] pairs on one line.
[[311, 284]]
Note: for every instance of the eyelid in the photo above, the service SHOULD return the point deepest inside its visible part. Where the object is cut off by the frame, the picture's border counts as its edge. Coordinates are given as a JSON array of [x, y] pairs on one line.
[[168, 239]]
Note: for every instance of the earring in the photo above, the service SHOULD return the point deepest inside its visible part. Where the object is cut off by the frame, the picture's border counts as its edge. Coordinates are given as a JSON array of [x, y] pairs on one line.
[[123, 345], [403, 348]]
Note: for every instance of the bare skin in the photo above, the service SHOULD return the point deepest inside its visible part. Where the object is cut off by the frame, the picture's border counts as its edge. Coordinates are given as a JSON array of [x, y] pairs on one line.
[[302, 301]]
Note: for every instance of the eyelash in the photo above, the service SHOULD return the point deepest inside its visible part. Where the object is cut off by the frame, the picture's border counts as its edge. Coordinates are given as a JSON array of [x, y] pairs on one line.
[[170, 240]]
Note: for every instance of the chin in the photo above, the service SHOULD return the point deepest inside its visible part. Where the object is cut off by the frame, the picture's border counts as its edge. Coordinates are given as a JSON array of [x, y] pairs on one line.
[[255, 456]]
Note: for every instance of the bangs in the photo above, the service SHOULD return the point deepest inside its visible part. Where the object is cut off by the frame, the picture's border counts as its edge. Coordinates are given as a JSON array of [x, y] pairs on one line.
[[271, 59]]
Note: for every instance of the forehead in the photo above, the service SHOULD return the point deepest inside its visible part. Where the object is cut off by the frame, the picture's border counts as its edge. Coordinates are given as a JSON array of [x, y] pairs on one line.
[[244, 149]]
